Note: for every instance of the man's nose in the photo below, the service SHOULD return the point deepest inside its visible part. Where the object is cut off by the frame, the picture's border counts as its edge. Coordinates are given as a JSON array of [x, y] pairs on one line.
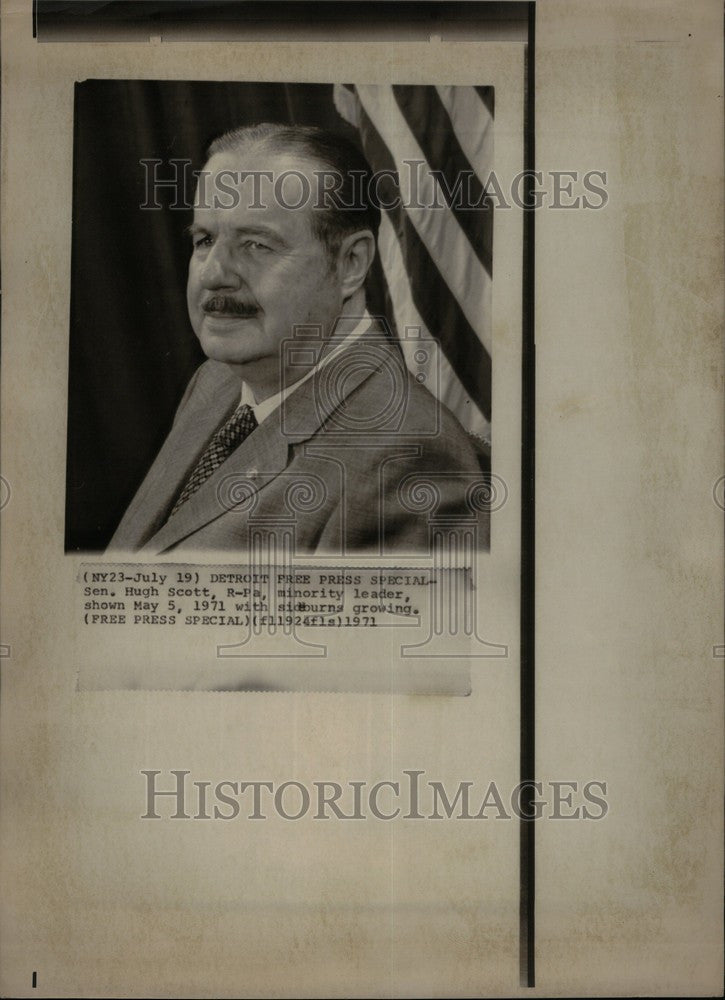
[[220, 268]]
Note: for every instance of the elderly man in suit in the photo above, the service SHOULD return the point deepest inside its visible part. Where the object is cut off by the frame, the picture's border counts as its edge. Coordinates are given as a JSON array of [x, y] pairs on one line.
[[304, 424]]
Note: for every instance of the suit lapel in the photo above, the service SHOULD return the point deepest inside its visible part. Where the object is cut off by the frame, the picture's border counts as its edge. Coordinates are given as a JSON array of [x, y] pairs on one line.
[[196, 422], [305, 410], [259, 458]]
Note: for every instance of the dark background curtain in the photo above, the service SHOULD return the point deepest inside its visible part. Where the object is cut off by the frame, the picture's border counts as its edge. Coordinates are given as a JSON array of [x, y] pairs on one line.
[[132, 349]]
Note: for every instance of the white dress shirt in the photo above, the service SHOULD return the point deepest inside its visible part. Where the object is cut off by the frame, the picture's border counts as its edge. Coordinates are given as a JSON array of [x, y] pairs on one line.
[[271, 403]]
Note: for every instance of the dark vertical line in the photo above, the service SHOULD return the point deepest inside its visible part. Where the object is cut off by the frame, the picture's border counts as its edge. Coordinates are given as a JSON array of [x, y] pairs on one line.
[[35, 980], [527, 828], [71, 459], [35, 18]]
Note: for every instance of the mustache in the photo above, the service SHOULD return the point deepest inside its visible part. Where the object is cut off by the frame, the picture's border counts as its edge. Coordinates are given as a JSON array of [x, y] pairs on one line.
[[228, 305]]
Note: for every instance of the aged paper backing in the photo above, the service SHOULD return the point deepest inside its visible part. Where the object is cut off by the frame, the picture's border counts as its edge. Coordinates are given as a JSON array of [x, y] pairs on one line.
[[629, 590]]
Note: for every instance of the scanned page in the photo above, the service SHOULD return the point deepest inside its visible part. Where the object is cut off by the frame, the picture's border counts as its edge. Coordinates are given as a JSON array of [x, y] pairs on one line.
[[349, 649]]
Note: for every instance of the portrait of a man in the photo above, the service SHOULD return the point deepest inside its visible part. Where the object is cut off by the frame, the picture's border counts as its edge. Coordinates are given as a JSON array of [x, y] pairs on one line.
[[308, 420]]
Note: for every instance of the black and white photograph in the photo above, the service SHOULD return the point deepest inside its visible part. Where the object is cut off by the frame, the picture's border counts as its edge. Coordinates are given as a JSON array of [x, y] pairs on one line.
[[361, 499], [281, 300]]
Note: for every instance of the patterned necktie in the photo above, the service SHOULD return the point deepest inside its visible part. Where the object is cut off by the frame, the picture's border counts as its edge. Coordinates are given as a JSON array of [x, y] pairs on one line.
[[239, 426]]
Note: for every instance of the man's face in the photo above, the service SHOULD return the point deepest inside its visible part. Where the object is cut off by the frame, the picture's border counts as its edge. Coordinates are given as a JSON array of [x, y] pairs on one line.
[[256, 272]]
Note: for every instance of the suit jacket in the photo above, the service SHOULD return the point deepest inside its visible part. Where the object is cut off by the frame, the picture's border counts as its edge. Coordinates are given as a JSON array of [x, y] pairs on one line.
[[360, 457]]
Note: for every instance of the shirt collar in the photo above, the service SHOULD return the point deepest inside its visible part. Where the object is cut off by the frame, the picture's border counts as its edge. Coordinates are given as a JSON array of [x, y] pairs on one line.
[[268, 406]]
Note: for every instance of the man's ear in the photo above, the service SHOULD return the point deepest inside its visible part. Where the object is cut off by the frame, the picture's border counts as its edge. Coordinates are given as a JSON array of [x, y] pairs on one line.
[[356, 254]]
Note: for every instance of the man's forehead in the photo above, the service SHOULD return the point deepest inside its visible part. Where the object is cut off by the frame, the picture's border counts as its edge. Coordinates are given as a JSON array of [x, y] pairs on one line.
[[263, 162], [260, 180]]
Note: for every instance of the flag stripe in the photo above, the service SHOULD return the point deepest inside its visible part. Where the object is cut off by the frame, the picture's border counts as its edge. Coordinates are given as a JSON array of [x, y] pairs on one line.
[[473, 127], [487, 95], [346, 102], [434, 301], [431, 125], [464, 274], [452, 393]]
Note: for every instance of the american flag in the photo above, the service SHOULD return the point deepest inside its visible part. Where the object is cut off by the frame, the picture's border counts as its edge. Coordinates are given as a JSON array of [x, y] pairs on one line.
[[437, 263]]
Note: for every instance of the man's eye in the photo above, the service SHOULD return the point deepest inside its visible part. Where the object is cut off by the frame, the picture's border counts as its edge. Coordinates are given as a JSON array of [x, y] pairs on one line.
[[202, 241], [255, 245]]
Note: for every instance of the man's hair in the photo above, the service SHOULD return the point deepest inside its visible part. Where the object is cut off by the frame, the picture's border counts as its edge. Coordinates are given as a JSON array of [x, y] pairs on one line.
[[336, 213]]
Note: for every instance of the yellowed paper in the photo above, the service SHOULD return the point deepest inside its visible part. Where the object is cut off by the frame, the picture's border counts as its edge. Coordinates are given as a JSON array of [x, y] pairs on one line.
[[103, 899]]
